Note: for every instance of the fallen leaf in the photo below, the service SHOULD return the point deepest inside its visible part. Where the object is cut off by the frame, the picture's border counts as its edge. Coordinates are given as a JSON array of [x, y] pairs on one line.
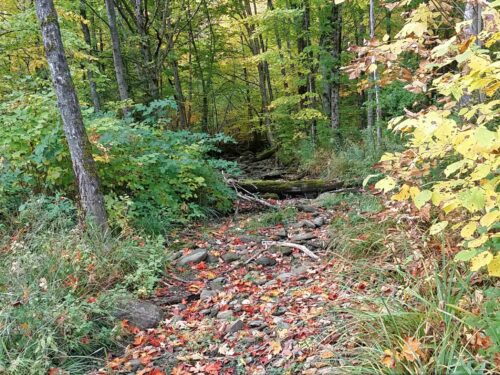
[[412, 349], [388, 359]]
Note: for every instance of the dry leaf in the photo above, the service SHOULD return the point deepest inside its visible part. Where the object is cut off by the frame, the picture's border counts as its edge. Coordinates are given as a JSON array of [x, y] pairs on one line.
[[388, 359], [412, 349]]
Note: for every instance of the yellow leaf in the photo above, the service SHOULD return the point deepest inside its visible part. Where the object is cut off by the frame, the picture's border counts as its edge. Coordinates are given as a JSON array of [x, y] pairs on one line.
[[468, 230], [494, 266], [386, 184], [488, 219], [478, 241], [438, 227], [481, 260], [403, 194], [422, 198], [275, 347]]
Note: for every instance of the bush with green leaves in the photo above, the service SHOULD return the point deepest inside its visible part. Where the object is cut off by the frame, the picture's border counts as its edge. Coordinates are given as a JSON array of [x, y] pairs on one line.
[[151, 177]]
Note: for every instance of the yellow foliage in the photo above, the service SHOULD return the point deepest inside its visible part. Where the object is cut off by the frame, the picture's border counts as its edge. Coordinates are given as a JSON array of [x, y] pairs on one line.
[[464, 142]]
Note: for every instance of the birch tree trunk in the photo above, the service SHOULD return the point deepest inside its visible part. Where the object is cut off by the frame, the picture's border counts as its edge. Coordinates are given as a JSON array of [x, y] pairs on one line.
[[117, 53], [84, 167]]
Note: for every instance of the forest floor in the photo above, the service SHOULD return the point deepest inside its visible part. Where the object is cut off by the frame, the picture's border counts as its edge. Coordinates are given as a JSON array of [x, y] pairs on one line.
[[246, 305]]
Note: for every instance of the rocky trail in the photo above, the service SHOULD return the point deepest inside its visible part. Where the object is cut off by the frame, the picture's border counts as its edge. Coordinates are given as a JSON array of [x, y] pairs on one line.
[[235, 301]]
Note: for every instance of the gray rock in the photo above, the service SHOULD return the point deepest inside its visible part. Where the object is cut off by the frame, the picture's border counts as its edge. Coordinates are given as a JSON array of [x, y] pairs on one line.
[[256, 324], [307, 208], [317, 244], [303, 237], [266, 261], [280, 310], [284, 250], [196, 256], [307, 224], [282, 233], [235, 327], [249, 239], [231, 257], [284, 276], [226, 315], [134, 365], [218, 283], [319, 221], [211, 259], [207, 294], [141, 314], [299, 270]]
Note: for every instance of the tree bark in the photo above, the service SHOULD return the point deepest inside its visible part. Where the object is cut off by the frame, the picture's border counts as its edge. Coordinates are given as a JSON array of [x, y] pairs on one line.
[[378, 110], [290, 187], [148, 64], [94, 95], [336, 19], [117, 53], [84, 167]]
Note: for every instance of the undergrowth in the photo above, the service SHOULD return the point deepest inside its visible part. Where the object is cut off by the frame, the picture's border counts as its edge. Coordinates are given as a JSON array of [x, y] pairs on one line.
[[57, 287], [271, 218], [416, 311]]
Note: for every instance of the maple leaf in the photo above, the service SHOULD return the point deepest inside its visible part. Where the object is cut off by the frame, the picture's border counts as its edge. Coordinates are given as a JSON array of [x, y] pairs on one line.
[[389, 358], [412, 349]]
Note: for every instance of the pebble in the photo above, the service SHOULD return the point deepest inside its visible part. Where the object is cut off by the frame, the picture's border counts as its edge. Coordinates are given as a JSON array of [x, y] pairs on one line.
[[207, 294], [266, 261], [235, 327], [226, 315], [303, 237], [230, 257], [319, 221]]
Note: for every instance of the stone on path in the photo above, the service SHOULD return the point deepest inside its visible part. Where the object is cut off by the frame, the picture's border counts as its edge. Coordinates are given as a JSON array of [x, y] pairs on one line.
[[231, 257], [303, 237], [196, 256], [266, 261], [142, 314]]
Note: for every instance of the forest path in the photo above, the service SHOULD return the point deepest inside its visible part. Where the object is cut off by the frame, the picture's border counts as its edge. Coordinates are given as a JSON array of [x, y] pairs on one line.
[[243, 306]]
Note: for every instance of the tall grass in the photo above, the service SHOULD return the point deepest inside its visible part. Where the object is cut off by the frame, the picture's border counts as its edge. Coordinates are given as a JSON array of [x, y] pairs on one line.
[[57, 286]]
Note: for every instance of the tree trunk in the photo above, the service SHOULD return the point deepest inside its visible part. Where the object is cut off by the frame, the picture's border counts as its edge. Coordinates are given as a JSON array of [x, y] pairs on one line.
[[148, 64], [290, 187], [472, 13], [378, 110], [336, 19], [255, 46], [94, 95], [84, 167], [117, 54]]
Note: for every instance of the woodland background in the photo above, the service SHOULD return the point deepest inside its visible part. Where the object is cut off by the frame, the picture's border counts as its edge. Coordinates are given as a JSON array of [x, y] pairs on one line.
[[172, 94]]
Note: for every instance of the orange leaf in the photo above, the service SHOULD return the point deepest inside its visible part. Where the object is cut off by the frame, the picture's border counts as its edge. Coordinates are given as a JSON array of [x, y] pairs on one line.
[[388, 359], [412, 349]]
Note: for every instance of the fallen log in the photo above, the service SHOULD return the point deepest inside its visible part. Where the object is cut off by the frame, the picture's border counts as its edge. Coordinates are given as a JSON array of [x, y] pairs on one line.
[[294, 187]]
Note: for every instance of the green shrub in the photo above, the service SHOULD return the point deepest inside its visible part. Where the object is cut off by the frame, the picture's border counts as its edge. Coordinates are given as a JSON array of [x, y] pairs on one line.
[[57, 284], [152, 178]]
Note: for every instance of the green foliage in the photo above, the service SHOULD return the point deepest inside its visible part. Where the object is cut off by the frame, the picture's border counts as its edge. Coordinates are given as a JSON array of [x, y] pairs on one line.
[[56, 284], [272, 218], [148, 174], [360, 203], [394, 99]]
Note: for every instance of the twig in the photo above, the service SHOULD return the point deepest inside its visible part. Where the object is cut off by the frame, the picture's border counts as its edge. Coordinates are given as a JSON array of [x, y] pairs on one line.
[[245, 194], [302, 248]]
